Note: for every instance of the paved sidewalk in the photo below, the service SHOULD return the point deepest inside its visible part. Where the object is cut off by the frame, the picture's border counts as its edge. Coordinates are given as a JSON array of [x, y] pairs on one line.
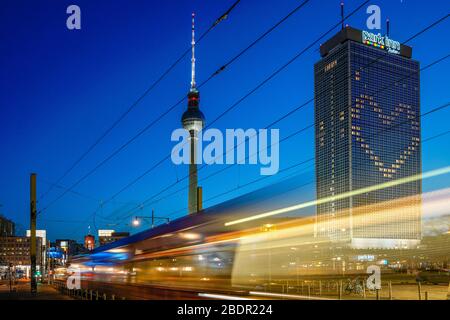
[[45, 292]]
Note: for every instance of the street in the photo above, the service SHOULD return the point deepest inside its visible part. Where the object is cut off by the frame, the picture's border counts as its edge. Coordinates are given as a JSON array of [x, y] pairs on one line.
[[45, 292]]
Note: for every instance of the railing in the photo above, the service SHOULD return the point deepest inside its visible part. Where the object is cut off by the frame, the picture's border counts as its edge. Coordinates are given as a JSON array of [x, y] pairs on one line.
[[311, 289], [82, 294], [340, 289]]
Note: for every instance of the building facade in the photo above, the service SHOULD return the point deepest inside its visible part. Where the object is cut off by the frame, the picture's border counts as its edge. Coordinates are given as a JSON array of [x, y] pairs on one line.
[[15, 252], [108, 236], [69, 247], [89, 242], [104, 236], [42, 235], [7, 227], [367, 132], [63, 249]]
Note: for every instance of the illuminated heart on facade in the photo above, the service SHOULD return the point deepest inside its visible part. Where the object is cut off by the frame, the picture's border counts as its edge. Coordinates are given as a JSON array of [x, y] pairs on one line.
[[405, 115]]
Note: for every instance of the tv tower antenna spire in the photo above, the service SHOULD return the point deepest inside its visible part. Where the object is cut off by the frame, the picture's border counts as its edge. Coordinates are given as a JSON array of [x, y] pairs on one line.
[[193, 85]]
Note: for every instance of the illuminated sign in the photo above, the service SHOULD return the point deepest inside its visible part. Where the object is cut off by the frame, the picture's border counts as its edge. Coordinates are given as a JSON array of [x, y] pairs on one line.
[[366, 257], [105, 233], [39, 233], [54, 253], [382, 42]]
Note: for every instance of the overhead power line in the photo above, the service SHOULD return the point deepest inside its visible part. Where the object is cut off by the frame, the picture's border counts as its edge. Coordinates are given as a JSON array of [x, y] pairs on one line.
[[311, 125], [411, 39], [136, 102], [146, 128], [431, 138], [371, 63], [284, 66]]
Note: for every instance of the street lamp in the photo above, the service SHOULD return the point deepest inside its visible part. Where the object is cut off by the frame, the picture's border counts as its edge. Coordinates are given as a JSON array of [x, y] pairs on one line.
[[136, 222]]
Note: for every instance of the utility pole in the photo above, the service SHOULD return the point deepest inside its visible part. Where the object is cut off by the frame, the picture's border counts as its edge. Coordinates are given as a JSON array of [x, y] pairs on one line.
[[153, 218], [199, 199], [10, 265], [33, 232]]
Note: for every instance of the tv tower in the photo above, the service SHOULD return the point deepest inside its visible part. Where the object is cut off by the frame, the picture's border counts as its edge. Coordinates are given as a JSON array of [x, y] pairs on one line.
[[193, 120]]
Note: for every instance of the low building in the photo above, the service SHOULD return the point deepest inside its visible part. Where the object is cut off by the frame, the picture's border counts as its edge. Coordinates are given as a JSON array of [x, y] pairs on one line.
[[104, 236], [108, 236], [68, 248], [66, 245], [89, 242], [7, 227], [15, 252], [119, 235], [112, 237]]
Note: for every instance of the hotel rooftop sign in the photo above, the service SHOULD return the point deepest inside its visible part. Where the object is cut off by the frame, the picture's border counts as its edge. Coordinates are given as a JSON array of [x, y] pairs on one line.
[[378, 41], [367, 38]]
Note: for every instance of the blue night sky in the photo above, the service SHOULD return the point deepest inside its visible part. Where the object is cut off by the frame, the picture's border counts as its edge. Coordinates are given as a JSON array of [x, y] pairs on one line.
[[61, 89]]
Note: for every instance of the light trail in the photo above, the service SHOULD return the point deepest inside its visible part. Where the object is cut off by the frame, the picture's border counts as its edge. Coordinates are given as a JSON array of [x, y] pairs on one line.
[[413, 178], [294, 249], [221, 296], [287, 296]]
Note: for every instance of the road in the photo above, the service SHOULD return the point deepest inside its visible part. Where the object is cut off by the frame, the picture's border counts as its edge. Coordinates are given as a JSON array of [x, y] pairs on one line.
[[137, 292], [22, 292]]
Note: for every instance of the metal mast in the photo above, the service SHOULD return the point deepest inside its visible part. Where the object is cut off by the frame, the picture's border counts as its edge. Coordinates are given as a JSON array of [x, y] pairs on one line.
[[193, 84]]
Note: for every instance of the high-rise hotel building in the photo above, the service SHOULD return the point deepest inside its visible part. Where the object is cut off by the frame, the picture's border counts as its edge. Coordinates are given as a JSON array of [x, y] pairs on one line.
[[367, 132]]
